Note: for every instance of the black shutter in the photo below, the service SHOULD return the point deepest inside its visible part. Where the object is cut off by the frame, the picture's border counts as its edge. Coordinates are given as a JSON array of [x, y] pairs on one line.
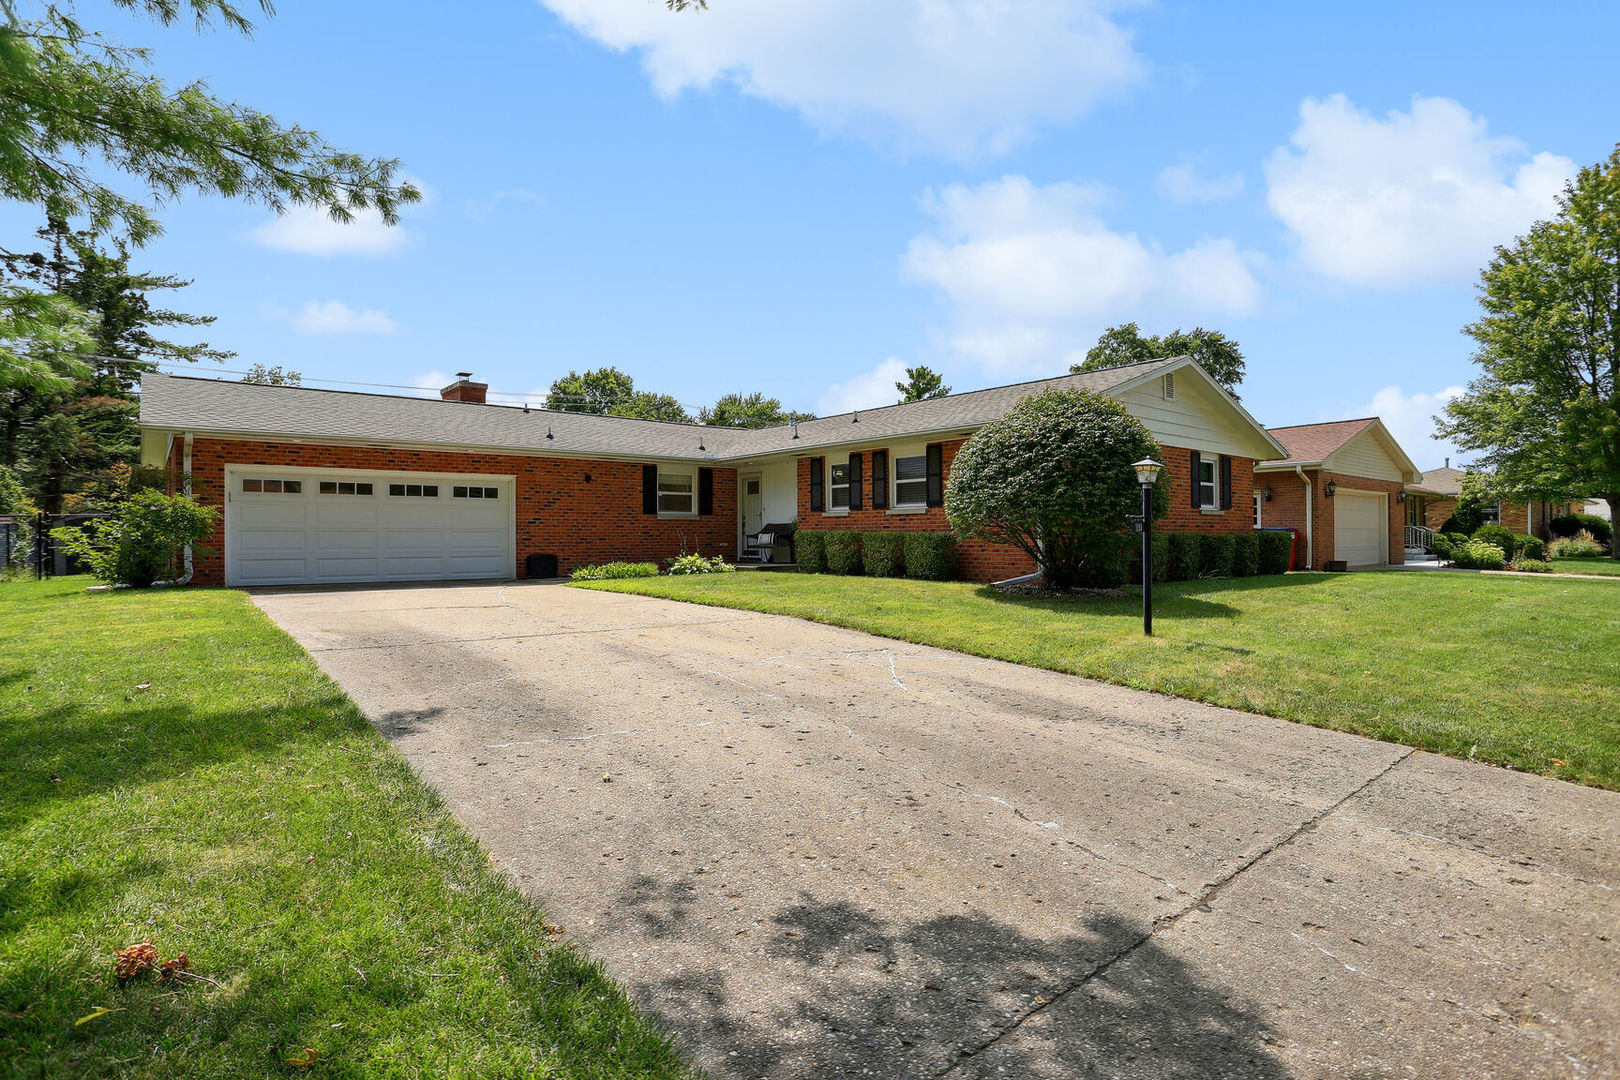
[[1197, 471], [818, 483], [855, 482], [936, 474], [705, 491], [649, 489], [880, 479], [1226, 482]]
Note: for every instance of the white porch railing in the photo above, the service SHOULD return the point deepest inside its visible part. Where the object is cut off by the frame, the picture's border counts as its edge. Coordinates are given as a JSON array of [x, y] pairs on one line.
[[1419, 538]]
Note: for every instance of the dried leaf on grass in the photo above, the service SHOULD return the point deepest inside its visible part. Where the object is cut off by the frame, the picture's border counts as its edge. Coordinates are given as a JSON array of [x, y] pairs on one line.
[[306, 1057], [96, 1015]]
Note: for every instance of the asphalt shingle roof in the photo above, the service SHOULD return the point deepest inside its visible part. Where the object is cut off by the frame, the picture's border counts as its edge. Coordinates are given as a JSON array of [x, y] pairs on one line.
[[186, 403], [1441, 481], [1314, 442]]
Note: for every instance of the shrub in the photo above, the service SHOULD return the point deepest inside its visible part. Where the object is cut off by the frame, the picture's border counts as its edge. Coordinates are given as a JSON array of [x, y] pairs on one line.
[[1579, 546], [844, 552], [930, 556], [1052, 477], [1216, 552], [1276, 552], [1479, 555], [613, 571], [1570, 524], [1245, 554], [1161, 558], [1499, 535], [881, 552], [698, 564], [1443, 545], [1529, 547], [1532, 566], [1184, 558], [142, 540], [810, 546]]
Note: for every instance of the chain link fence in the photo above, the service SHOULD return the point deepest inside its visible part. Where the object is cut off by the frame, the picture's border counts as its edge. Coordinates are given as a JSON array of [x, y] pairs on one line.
[[27, 548]]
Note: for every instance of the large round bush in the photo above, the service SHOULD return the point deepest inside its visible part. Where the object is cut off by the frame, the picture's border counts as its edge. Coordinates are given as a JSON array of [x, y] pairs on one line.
[[142, 540], [1053, 478]]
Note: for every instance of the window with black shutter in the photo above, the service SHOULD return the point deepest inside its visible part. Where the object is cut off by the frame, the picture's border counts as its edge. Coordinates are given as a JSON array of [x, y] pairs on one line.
[[855, 468], [1226, 482], [936, 474], [880, 479], [705, 491], [818, 483], [649, 489]]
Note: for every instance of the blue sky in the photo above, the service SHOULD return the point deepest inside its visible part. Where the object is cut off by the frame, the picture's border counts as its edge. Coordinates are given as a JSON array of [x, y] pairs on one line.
[[803, 196]]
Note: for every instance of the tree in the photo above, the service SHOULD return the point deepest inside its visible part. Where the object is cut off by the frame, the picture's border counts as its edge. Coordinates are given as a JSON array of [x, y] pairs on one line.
[[75, 105], [748, 411], [44, 342], [272, 376], [1215, 352], [1544, 416], [610, 392], [920, 385], [1053, 478]]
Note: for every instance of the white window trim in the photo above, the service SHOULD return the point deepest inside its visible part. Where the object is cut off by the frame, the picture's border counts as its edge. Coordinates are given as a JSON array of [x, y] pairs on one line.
[[674, 471], [909, 450], [1497, 507], [1259, 510], [841, 511], [1214, 463]]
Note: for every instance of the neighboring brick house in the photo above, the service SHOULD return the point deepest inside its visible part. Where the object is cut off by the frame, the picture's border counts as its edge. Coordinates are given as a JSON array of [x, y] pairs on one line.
[[1343, 487], [321, 486], [1435, 495]]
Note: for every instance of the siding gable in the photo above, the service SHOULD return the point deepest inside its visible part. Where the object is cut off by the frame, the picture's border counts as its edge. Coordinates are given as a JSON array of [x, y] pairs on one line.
[[1198, 416], [1365, 455]]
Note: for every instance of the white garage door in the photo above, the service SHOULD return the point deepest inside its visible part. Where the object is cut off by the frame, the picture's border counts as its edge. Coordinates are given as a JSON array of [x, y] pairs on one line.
[[1358, 528], [298, 527]]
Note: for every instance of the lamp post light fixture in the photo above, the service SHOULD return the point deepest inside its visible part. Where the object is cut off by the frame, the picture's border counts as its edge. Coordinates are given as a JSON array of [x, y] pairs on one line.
[[1147, 474]]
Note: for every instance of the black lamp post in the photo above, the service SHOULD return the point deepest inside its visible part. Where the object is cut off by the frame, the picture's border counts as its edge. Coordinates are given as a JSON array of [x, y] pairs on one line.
[[1147, 474]]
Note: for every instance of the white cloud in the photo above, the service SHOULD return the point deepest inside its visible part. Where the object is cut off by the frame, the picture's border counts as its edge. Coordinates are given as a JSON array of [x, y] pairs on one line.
[[1184, 184], [1032, 273], [481, 209], [867, 391], [1413, 197], [308, 230], [962, 76], [1410, 418], [336, 317]]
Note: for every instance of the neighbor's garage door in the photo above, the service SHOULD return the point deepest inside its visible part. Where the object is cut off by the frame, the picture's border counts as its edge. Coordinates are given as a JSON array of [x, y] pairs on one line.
[[1358, 528], [285, 527]]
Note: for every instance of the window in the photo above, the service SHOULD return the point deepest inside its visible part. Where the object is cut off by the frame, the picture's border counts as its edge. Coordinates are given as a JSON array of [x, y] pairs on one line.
[[753, 487], [675, 493], [460, 492], [414, 491], [1492, 514], [274, 487], [344, 487], [911, 481], [840, 487], [1208, 485], [1257, 499]]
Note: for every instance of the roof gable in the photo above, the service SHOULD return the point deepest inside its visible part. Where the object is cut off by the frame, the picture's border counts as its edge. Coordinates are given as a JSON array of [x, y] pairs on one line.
[[1361, 447]]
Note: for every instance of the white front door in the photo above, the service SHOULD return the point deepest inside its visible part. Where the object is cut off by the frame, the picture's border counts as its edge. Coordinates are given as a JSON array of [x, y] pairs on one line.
[[752, 502], [1359, 534], [314, 526]]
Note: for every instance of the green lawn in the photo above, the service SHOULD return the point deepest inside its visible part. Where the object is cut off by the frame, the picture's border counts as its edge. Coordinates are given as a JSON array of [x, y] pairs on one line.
[[1515, 671], [1606, 567], [241, 810]]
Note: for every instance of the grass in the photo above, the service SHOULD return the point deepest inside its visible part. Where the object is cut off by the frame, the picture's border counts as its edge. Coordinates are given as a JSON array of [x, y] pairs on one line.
[[1605, 566], [238, 808], [1503, 669]]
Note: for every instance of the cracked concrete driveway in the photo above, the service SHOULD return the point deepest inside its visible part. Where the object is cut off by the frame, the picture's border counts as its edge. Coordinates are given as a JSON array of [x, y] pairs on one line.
[[819, 853]]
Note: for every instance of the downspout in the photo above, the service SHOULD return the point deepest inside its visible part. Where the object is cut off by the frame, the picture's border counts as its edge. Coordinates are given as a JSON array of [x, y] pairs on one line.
[[1299, 471], [185, 474]]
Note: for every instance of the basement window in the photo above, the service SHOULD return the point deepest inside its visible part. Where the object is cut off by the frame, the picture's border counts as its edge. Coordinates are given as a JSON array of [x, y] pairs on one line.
[[414, 491], [467, 492]]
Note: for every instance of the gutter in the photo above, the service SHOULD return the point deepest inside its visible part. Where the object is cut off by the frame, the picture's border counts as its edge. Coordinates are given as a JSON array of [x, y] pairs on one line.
[[1299, 471], [185, 472]]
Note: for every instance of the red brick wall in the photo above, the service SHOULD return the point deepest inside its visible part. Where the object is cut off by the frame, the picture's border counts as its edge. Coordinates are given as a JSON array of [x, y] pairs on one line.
[[557, 511], [1436, 511], [981, 561], [1287, 508]]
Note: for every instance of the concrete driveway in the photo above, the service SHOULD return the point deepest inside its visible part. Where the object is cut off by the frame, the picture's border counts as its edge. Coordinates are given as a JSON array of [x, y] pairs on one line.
[[817, 853]]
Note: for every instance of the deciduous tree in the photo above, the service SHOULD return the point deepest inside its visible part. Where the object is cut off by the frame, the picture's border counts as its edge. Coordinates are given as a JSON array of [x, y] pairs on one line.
[[1215, 352], [1544, 415], [748, 411]]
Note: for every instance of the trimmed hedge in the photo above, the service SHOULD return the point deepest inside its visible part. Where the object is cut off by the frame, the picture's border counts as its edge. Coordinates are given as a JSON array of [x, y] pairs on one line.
[[1245, 554], [1498, 535], [930, 556], [1532, 566], [810, 545], [1183, 558], [1529, 547], [1570, 524], [881, 552], [1161, 558], [844, 552], [1276, 552], [1479, 555], [1216, 552]]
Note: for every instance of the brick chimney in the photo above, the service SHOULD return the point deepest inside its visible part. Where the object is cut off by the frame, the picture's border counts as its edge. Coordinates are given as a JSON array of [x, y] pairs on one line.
[[464, 389]]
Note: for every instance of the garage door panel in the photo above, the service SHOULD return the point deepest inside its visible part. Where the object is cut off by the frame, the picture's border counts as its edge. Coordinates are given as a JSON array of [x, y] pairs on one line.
[[318, 538], [1358, 528]]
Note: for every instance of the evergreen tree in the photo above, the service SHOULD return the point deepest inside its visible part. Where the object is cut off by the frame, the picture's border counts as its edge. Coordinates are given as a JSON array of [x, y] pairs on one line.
[[920, 385]]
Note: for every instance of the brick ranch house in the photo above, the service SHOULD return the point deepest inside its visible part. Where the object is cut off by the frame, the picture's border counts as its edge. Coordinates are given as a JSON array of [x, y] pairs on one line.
[[322, 486], [1343, 486], [1432, 498]]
